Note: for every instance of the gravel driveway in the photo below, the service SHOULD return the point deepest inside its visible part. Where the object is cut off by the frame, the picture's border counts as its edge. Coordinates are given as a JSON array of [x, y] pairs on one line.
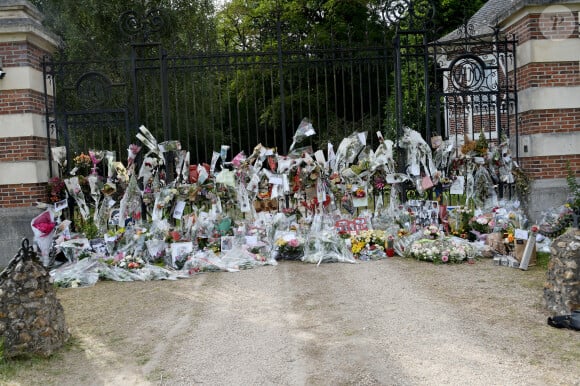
[[389, 322]]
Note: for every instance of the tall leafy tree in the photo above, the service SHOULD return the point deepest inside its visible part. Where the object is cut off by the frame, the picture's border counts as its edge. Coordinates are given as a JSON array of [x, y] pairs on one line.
[[315, 23], [91, 29]]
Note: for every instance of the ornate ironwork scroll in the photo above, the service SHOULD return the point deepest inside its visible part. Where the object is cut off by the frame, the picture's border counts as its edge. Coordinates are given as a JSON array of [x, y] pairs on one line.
[[93, 89], [395, 11], [144, 25]]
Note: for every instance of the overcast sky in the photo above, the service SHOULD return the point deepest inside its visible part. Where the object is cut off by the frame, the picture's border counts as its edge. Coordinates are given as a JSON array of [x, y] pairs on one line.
[[219, 3]]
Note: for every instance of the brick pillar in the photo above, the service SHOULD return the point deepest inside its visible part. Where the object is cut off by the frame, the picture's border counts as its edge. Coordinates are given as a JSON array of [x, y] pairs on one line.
[[548, 60], [24, 151]]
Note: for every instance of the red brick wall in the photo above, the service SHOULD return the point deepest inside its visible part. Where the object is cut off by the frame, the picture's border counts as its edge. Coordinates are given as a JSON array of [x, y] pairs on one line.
[[14, 149], [558, 74], [534, 26], [550, 166], [19, 54], [22, 149], [22, 195], [21, 101], [549, 121]]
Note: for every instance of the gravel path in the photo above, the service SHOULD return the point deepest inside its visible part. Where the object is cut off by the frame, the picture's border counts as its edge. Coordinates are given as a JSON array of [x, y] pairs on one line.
[[389, 322]]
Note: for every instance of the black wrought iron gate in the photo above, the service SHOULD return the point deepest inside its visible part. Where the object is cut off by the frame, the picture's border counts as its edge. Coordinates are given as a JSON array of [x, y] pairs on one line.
[[458, 86]]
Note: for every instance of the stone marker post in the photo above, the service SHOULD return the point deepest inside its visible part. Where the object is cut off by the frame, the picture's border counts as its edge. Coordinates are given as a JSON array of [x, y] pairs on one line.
[[31, 317]]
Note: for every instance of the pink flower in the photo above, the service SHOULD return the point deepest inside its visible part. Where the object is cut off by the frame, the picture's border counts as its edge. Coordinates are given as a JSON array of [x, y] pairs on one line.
[[445, 258], [294, 243]]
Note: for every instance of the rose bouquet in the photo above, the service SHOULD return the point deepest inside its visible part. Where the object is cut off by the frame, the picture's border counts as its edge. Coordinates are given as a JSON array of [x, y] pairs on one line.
[[82, 165]]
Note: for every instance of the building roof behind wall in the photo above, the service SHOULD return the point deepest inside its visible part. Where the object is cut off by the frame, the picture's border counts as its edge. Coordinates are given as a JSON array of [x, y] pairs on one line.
[[494, 12]]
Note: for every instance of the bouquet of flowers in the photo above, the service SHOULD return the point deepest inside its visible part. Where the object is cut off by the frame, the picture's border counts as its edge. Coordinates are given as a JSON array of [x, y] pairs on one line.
[[56, 189], [74, 188], [289, 247], [369, 244], [83, 165], [204, 261], [128, 261], [432, 232], [349, 149], [59, 156], [445, 250], [325, 247], [163, 201], [458, 219], [96, 158], [304, 130], [481, 224], [132, 152]]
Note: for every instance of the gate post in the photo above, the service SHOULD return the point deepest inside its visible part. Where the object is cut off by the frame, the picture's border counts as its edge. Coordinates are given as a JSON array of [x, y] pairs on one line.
[[24, 154]]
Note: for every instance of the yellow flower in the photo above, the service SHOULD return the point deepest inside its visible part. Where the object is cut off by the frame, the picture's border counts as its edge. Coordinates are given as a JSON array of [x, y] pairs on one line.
[[357, 247]]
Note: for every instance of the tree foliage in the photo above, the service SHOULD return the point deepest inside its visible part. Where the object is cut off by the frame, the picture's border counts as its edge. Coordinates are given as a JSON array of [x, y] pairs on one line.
[[90, 29], [247, 24]]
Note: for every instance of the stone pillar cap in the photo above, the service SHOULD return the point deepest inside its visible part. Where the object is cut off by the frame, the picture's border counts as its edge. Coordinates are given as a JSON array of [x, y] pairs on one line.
[[22, 18]]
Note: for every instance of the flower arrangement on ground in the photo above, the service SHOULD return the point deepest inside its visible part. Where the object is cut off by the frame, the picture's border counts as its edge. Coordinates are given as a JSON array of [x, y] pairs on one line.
[[480, 225], [128, 261], [289, 249], [432, 232], [445, 250], [369, 244]]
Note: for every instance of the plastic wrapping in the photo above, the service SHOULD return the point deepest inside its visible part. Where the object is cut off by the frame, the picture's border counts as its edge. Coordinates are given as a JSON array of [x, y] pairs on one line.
[[304, 130], [349, 149], [74, 189], [130, 205], [239, 258], [43, 229], [288, 245], [84, 273], [369, 244], [205, 261], [76, 249], [418, 153], [484, 193], [163, 202], [326, 247]]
